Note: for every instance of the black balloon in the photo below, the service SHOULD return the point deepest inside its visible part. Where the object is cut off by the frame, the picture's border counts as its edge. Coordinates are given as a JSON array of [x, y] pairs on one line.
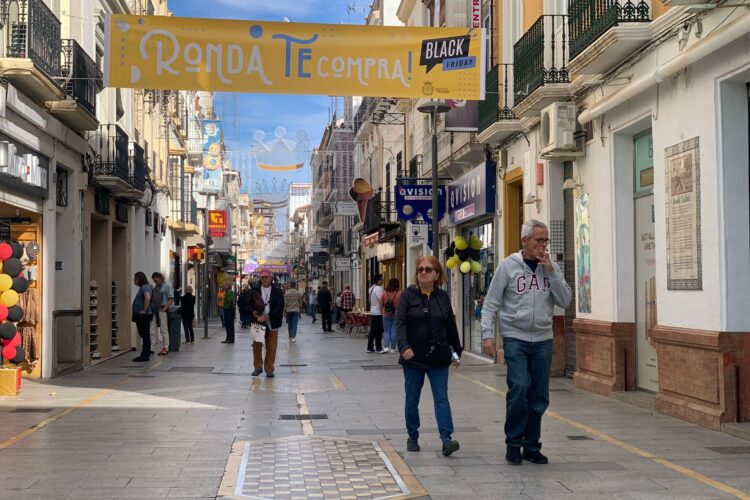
[[450, 251], [463, 254], [12, 267], [17, 249], [19, 358], [20, 285], [475, 255], [7, 330], [15, 314]]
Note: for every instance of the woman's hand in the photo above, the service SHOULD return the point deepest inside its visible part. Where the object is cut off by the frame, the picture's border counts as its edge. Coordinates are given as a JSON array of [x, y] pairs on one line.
[[408, 354], [456, 363]]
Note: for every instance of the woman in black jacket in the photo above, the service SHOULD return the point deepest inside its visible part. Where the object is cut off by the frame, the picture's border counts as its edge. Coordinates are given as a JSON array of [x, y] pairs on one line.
[[428, 342], [187, 312]]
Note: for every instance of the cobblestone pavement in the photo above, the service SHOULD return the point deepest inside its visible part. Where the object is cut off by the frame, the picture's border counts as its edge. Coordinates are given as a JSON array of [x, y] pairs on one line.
[[195, 424]]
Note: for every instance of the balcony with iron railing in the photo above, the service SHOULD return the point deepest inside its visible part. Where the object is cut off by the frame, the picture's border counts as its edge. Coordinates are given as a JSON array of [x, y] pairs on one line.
[[82, 81], [111, 168], [324, 215], [336, 242], [497, 120], [33, 46], [541, 74], [137, 171], [379, 213], [605, 32]]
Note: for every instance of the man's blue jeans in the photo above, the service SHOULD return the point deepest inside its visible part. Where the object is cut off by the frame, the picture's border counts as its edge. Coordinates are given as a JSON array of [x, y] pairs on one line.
[[413, 382], [527, 399], [291, 320], [389, 332]]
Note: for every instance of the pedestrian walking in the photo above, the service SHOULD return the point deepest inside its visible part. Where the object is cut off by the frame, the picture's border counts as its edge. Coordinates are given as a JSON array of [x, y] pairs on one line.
[[142, 314], [312, 304], [230, 309], [292, 309], [187, 313], [347, 303], [220, 303], [388, 305], [268, 309], [428, 342], [161, 300], [523, 293], [375, 293], [325, 303], [245, 307]]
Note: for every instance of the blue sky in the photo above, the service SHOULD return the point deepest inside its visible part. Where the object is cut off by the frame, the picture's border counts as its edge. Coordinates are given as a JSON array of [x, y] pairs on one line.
[[263, 111]]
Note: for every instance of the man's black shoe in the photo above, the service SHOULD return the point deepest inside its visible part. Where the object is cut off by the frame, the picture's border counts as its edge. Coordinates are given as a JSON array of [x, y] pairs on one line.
[[227, 341], [535, 457], [513, 455], [412, 445], [450, 447], [140, 359], [256, 372]]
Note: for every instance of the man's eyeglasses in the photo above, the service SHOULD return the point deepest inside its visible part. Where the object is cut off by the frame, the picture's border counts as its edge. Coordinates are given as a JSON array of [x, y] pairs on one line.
[[541, 241], [426, 270]]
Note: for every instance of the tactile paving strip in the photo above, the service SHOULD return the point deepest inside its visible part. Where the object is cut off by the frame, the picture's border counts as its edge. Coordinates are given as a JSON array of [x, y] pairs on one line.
[[303, 467]]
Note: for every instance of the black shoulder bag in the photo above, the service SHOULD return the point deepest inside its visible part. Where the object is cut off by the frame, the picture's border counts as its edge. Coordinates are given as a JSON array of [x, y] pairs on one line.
[[439, 353]]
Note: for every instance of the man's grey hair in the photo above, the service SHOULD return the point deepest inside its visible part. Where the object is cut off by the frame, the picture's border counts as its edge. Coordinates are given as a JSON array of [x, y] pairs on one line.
[[529, 225]]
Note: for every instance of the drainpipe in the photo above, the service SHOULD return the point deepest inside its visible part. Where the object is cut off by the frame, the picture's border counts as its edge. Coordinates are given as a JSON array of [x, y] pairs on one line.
[[736, 29]]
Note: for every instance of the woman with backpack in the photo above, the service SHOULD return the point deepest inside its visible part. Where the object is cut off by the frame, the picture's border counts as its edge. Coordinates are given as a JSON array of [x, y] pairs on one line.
[[428, 342], [388, 304]]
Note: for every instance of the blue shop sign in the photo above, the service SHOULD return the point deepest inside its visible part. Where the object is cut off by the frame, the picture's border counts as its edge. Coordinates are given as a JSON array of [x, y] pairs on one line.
[[416, 199], [473, 194]]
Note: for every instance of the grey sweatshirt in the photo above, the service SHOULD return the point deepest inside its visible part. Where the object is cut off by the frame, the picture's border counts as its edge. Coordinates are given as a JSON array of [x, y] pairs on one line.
[[524, 300]]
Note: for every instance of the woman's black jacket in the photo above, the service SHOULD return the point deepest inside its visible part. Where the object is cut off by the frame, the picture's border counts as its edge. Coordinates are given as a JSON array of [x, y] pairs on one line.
[[416, 328]]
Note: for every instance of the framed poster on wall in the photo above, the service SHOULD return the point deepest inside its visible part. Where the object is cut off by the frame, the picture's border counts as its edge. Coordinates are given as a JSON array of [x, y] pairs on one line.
[[684, 266]]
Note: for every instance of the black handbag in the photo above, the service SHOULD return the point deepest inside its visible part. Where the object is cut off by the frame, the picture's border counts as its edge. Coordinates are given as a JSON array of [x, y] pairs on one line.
[[439, 353]]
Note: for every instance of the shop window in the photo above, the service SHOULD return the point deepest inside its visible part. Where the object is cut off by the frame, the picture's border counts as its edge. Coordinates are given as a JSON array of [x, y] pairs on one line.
[[61, 180]]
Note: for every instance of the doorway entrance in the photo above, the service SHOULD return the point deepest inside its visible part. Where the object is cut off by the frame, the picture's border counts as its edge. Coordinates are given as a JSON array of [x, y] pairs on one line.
[[513, 211]]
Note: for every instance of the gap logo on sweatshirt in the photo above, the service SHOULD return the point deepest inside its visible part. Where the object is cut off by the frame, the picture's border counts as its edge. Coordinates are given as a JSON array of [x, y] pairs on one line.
[[525, 284]]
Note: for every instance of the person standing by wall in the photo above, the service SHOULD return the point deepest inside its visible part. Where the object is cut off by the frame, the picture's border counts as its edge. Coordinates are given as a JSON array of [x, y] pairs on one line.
[[388, 305], [313, 304], [187, 313], [428, 342], [268, 309], [244, 306], [142, 314], [292, 309], [375, 338], [523, 293], [162, 300], [230, 308], [325, 303]]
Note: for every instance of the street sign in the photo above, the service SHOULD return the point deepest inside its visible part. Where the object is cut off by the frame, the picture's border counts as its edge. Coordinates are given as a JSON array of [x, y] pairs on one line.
[[342, 264], [345, 208]]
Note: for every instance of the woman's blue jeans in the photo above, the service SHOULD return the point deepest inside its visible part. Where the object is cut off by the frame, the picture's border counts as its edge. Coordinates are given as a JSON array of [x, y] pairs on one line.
[[389, 332], [292, 319], [528, 371], [413, 382]]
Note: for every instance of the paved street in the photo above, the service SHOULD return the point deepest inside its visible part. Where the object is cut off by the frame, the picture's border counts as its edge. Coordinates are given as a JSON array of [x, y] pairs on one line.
[[330, 425]]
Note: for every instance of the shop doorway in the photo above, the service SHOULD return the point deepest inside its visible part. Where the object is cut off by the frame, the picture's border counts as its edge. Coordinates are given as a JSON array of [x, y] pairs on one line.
[[513, 210], [569, 270], [645, 261], [475, 287]]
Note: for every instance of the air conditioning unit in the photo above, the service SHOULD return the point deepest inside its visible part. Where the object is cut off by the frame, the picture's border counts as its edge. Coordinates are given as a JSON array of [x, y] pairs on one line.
[[558, 131]]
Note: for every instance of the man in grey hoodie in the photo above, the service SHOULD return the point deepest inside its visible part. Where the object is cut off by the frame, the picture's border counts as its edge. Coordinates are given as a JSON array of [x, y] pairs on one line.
[[524, 291]]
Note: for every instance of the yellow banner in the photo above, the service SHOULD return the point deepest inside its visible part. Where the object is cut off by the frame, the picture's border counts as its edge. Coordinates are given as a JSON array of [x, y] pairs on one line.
[[156, 52]]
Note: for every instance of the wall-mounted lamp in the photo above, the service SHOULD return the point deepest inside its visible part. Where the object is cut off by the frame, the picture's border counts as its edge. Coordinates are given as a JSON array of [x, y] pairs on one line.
[[571, 184], [532, 199]]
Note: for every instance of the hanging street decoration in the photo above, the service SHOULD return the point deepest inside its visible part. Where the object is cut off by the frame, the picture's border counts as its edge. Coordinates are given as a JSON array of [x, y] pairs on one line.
[[169, 52]]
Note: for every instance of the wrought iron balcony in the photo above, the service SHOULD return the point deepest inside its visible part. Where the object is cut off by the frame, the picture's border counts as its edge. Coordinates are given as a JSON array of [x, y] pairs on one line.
[[324, 214], [541, 56], [82, 75], [137, 170], [590, 19], [378, 213], [111, 166], [336, 242], [493, 108], [31, 60]]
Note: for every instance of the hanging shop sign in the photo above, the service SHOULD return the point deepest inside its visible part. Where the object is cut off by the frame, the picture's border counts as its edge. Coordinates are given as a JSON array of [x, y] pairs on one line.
[[345, 208], [371, 239], [195, 253], [473, 194], [213, 149], [462, 117], [342, 264], [23, 170], [163, 52], [386, 251], [413, 200], [217, 223]]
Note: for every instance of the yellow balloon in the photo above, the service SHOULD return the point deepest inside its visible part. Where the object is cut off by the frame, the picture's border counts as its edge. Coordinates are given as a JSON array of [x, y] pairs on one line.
[[476, 243], [6, 282], [476, 267], [461, 243], [465, 267], [451, 263], [9, 298]]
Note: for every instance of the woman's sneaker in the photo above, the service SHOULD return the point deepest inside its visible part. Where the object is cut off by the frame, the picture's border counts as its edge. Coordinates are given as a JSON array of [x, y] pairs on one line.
[[385, 351], [450, 447], [412, 445]]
